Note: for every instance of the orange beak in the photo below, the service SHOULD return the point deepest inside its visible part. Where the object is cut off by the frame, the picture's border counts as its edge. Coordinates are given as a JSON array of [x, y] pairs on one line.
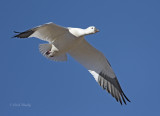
[[96, 30]]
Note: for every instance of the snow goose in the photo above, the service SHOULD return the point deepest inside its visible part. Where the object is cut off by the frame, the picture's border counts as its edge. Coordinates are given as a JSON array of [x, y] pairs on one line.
[[71, 40]]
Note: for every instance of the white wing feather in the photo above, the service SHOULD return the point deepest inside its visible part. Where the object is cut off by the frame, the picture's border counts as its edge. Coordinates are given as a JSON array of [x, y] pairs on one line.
[[99, 67], [49, 32]]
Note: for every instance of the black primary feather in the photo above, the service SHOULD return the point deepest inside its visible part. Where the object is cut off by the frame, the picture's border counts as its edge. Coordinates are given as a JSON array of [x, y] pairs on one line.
[[24, 34]]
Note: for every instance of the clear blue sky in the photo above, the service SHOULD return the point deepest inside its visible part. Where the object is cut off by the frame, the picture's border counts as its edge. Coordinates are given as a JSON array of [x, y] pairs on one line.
[[129, 37]]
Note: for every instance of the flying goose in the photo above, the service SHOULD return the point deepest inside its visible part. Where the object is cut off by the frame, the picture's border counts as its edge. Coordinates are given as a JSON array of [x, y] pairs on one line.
[[71, 41]]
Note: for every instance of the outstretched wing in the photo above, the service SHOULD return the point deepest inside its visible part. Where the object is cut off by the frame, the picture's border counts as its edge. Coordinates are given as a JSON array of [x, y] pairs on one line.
[[99, 67], [47, 32]]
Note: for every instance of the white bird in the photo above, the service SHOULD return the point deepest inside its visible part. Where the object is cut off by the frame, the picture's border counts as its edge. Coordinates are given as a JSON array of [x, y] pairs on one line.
[[71, 41]]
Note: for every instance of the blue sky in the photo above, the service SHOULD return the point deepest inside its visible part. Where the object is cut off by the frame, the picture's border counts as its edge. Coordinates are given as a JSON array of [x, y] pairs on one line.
[[129, 37]]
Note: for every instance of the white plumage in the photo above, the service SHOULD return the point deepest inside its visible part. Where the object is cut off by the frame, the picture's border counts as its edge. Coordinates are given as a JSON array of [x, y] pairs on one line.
[[63, 41]]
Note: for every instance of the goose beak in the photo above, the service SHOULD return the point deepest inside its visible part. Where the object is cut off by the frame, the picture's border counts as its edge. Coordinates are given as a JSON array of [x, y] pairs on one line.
[[96, 30]]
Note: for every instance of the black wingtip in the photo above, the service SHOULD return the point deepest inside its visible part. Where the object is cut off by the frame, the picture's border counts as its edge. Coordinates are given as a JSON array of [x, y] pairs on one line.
[[15, 35], [120, 101], [123, 98], [16, 32], [24, 34], [126, 98]]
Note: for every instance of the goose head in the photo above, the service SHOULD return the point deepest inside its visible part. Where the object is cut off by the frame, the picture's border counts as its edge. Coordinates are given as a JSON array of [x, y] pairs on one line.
[[78, 32], [91, 30]]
